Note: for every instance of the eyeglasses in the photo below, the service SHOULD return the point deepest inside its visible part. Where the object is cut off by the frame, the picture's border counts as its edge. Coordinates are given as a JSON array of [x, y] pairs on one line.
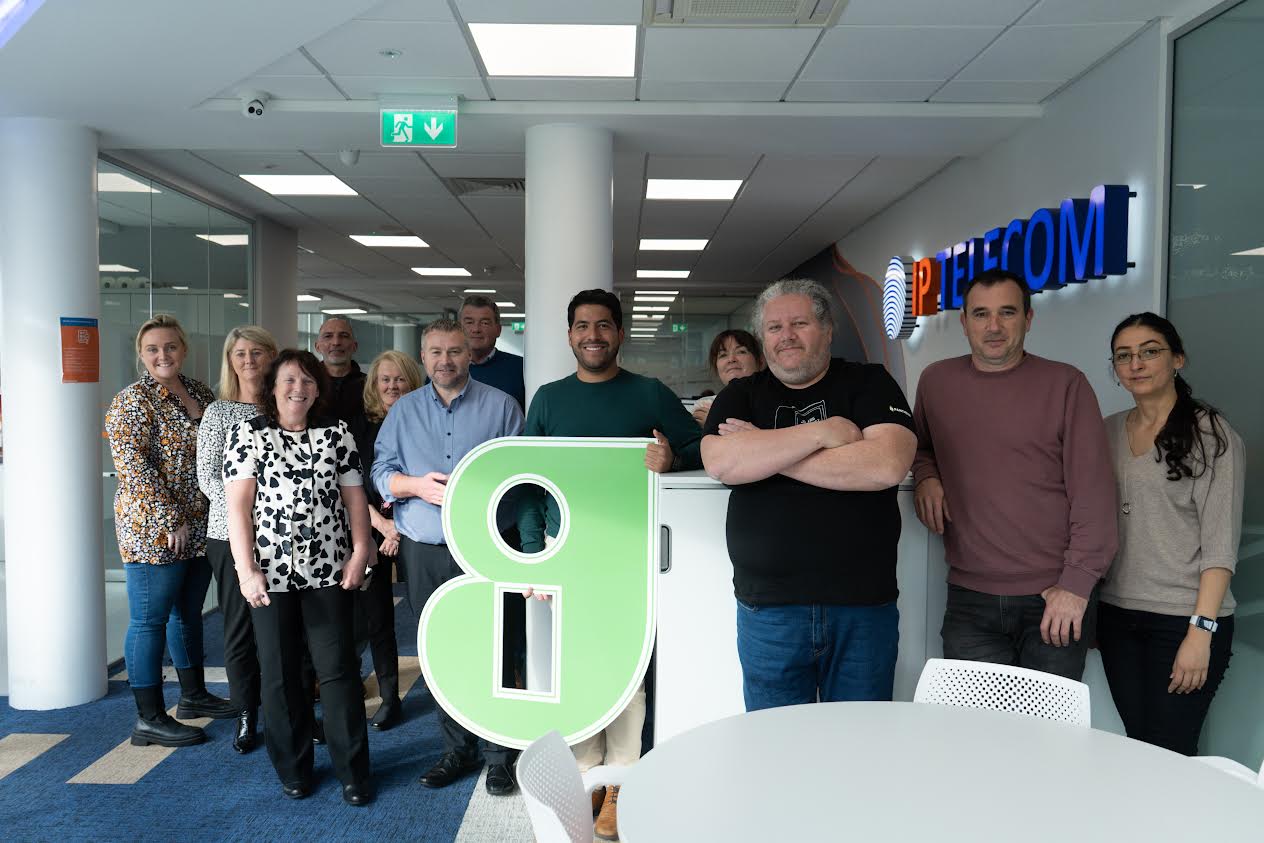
[[1145, 355]]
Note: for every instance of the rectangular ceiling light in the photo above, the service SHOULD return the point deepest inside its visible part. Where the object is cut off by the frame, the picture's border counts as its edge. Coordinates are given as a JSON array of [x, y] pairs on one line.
[[226, 239], [645, 328], [306, 297], [535, 49], [514, 315], [231, 296], [242, 304], [301, 185], [1192, 186], [178, 287], [390, 241], [442, 271], [658, 292], [344, 311], [1250, 253], [119, 183], [668, 299], [489, 292], [662, 273], [707, 189], [116, 267], [505, 304], [651, 245], [649, 308], [647, 315]]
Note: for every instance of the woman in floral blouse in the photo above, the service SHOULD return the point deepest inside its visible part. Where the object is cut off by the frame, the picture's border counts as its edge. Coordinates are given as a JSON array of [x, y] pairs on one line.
[[160, 519]]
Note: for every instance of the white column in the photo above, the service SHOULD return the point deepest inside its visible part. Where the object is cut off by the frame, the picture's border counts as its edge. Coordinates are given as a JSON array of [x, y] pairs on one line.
[[54, 575], [276, 280], [570, 238], [407, 339], [569, 247]]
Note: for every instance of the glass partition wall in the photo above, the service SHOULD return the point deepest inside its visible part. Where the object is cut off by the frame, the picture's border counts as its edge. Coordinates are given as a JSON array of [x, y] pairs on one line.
[[1215, 298], [163, 252]]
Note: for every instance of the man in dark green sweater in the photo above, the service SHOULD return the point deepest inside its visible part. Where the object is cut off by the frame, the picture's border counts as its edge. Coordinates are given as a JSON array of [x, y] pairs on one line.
[[601, 399]]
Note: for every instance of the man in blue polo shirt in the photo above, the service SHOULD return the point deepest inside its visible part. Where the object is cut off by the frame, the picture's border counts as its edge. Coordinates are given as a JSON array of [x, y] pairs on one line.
[[480, 318], [423, 438]]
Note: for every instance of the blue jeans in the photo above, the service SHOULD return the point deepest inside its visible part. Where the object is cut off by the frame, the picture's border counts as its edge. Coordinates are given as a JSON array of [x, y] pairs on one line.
[[164, 607], [794, 654]]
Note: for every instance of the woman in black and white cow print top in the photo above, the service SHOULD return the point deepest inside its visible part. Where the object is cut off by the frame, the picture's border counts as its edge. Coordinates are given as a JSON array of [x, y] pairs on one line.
[[299, 529]]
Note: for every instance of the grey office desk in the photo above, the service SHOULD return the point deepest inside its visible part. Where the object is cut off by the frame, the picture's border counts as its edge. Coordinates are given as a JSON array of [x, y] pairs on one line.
[[912, 772]]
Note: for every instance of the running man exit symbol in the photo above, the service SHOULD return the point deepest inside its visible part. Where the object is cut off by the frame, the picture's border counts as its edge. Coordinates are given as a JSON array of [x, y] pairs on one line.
[[401, 128]]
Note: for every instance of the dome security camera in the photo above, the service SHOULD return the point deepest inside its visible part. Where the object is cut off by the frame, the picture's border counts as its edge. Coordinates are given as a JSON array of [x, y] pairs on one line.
[[349, 157], [253, 104]]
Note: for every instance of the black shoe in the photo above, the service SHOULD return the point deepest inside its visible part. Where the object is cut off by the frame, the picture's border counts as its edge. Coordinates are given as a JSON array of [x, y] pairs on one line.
[[388, 715], [448, 769], [196, 701], [357, 794], [500, 780], [300, 790], [244, 740], [318, 732], [155, 726]]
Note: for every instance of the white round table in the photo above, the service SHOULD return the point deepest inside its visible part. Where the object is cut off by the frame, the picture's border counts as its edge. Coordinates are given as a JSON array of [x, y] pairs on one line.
[[913, 772]]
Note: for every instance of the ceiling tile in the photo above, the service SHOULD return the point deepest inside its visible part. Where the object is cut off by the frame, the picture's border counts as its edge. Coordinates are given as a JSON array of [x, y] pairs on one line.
[[254, 163], [527, 88], [933, 12], [371, 87], [959, 90], [681, 219], [1096, 11], [715, 167], [1042, 53], [294, 64], [719, 55], [818, 91], [287, 88], [400, 164], [427, 50], [896, 53], [410, 10], [448, 164], [713, 91]]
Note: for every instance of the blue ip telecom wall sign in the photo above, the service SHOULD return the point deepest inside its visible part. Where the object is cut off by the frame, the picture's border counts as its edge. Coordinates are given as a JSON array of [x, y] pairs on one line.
[[1079, 240]]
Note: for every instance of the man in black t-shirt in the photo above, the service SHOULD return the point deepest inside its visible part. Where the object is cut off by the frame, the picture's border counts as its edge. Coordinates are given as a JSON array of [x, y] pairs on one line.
[[813, 449]]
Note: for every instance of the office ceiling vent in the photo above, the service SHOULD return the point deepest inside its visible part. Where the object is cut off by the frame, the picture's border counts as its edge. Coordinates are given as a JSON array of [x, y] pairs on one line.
[[815, 13], [486, 187]]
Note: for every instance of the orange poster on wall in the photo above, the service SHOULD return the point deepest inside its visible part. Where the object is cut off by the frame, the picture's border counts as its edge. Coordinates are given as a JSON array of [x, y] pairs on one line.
[[80, 350]]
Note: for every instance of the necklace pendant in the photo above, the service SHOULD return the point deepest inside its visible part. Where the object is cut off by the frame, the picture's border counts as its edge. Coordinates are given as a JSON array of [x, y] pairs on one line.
[[1127, 508]]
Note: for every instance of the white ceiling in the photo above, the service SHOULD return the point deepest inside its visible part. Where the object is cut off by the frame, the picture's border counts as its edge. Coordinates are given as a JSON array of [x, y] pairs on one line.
[[825, 126]]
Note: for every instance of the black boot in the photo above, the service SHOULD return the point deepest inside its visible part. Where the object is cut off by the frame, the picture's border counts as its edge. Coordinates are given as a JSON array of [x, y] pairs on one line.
[[389, 713], [196, 701], [155, 726], [244, 739]]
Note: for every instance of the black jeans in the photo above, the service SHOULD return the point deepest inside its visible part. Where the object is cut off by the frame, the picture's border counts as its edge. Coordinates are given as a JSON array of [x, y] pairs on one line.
[[324, 614], [1006, 630], [1138, 649], [375, 626], [428, 566], [241, 662]]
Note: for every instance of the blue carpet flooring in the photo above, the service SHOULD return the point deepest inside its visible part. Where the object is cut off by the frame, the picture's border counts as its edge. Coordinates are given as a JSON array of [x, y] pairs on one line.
[[209, 792]]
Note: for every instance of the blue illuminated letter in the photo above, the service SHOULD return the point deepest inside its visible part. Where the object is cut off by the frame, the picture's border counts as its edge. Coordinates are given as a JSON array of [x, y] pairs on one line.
[[1012, 246], [1039, 254], [991, 250]]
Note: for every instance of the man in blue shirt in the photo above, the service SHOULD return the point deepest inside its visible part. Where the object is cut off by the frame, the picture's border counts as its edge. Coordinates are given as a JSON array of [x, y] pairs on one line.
[[480, 317], [424, 436]]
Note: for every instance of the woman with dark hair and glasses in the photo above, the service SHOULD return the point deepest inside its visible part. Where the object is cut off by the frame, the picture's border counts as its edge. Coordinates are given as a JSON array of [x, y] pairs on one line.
[[299, 529], [734, 354], [1165, 624]]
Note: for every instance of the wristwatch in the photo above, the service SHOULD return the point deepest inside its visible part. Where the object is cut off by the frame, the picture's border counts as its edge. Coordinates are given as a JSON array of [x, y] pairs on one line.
[[1201, 622]]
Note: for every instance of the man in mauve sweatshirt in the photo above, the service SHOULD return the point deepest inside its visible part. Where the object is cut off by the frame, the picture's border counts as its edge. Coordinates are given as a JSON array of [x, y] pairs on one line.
[[1013, 470]]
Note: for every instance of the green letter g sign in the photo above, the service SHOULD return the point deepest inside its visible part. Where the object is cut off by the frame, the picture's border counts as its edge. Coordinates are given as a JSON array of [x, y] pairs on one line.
[[601, 573]]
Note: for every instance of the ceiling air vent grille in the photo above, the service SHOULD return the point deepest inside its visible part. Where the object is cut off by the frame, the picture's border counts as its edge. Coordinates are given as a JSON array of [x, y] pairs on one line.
[[486, 187], [817, 13]]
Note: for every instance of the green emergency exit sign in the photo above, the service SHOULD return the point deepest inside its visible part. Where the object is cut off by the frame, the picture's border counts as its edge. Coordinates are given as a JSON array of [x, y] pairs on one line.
[[435, 128], [679, 327], [518, 327]]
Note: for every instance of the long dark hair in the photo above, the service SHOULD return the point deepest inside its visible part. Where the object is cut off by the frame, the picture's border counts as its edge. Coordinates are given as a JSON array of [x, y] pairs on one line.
[[309, 364], [1181, 434], [742, 338]]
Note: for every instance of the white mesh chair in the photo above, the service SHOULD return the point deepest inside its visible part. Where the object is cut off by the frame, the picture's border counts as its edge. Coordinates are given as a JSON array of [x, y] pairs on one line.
[[1002, 687], [557, 797], [1233, 768]]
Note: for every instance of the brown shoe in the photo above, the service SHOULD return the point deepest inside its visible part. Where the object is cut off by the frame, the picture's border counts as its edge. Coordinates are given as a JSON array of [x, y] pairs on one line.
[[598, 799], [607, 825]]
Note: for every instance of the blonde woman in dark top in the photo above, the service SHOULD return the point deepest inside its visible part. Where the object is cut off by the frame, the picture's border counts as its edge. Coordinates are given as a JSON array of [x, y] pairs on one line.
[[248, 352], [391, 376], [160, 519], [1165, 625]]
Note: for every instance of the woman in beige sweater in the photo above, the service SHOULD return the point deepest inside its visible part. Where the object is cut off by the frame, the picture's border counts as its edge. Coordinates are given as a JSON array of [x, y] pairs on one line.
[[1165, 624]]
